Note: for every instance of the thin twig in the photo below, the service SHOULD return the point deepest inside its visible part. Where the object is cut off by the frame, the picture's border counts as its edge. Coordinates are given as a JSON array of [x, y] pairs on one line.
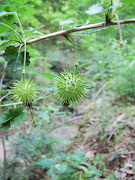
[[4, 161], [111, 134], [81, 28], [1, 80]]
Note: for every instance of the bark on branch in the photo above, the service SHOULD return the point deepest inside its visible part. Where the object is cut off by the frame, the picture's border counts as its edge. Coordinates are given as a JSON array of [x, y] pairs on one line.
[[81, 28]]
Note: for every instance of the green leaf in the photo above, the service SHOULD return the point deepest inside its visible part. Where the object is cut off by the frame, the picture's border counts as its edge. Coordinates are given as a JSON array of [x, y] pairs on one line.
[[13, 38], [69, 21], [89, 166], [3, 28], [9, 20], [84, 169], [20, 118], [94, 9], [48, 75], [16, 116], [47, 64], [22, 10], [3, 42], [45, 163], [34, 30], [82, 16], [18, 109], [61, 167], [15, 59], [7, 116], [2, 60], [3, 13], [6, 126], [127, 1]]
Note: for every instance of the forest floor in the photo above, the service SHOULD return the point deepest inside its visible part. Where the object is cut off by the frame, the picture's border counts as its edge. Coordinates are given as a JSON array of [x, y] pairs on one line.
[[104, 130], [107, 136]]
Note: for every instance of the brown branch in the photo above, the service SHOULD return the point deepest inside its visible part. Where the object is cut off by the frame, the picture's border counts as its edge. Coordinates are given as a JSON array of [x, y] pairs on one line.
[[81, 28]]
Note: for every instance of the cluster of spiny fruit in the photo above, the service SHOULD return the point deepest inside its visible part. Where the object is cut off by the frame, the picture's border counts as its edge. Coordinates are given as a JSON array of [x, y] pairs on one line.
[[69, 87]]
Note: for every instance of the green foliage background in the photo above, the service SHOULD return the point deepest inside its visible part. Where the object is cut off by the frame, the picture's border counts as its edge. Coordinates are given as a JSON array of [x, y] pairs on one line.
[[100, 57]]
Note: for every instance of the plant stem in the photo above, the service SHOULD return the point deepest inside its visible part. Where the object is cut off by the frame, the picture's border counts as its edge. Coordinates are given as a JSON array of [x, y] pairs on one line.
[[10, 104], [1, 81], [19, 23], [4, 96], [23, 76], [24, 63], [75, 52], [20, 47], [4, 155], [76, 62], [31, 113], [120, 33]]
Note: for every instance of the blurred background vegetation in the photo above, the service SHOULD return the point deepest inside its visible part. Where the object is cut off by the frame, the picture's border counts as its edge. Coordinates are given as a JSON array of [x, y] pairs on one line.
[[102, 60]]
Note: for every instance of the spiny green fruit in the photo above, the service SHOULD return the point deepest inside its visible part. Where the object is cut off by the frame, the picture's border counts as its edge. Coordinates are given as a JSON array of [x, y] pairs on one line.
[[70, 87], [24, 91]]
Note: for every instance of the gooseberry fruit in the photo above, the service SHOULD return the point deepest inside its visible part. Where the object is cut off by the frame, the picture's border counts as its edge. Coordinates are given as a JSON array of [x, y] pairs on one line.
[[70, 87], [24, 91]]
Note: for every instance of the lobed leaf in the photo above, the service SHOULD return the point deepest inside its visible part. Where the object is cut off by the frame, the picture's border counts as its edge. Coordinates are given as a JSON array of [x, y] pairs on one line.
[[16, 116], [5, 126], [15, 59]]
